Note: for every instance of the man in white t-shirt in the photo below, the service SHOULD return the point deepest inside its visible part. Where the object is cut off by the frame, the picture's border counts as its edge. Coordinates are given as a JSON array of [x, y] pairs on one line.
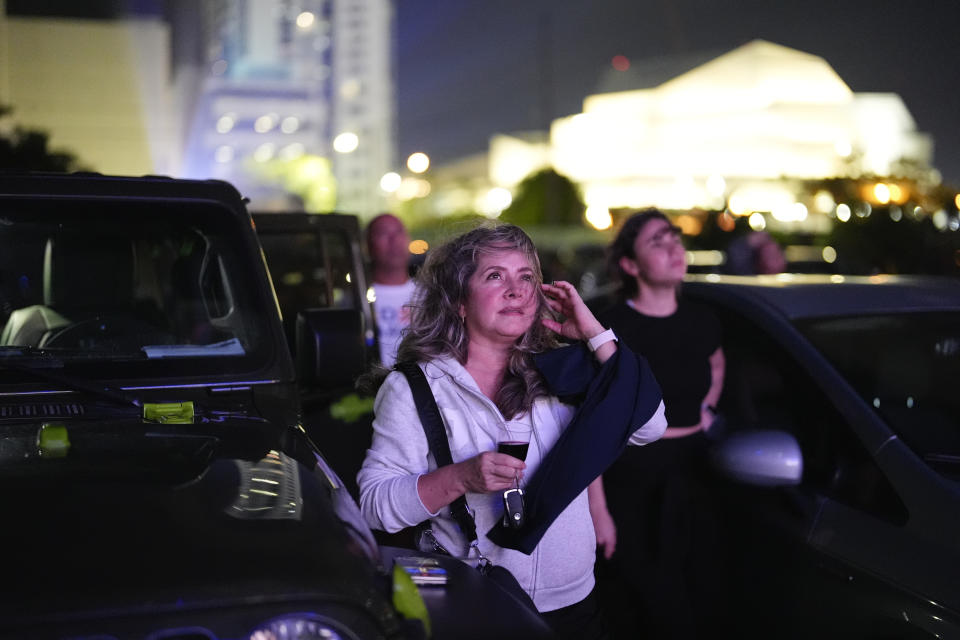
[[388, 244]]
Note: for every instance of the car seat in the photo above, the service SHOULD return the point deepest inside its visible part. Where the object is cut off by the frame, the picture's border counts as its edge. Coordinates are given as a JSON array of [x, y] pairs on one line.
[[85, 277]]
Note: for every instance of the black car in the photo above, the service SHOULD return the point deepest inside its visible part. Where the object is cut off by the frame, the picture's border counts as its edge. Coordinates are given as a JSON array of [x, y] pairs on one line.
[[154, 476], [841, 454]]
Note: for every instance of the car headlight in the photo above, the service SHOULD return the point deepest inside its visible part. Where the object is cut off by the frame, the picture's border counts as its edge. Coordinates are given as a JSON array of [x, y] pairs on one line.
[[302, 626]]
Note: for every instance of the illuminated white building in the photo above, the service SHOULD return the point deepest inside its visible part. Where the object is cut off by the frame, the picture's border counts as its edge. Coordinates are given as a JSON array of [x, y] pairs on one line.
[[745, 128]]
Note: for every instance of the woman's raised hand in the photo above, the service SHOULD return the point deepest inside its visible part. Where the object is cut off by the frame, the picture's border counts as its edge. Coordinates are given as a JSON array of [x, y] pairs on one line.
[[579, 322]]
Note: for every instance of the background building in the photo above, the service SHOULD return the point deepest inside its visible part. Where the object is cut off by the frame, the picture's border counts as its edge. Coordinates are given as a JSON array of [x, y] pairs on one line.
[[290, 100], [748, 130]]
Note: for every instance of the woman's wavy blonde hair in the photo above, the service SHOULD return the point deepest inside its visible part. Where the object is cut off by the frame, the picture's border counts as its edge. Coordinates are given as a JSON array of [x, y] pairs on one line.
[[436, 328]]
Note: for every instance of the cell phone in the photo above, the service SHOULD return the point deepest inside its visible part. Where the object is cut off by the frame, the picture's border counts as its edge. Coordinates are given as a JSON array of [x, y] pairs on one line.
[[422, 570]]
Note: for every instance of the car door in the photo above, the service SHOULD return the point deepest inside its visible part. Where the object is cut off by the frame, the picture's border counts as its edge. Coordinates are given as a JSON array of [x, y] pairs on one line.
[[809, 559]]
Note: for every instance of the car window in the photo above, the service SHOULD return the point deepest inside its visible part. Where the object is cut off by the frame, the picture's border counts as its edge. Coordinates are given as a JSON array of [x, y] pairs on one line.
[[138, 286], [766, 388], [310, 271], [906, 366]]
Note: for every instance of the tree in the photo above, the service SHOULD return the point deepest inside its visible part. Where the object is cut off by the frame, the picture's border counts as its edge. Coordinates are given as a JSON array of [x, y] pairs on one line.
[[545, 198], [27, 150]]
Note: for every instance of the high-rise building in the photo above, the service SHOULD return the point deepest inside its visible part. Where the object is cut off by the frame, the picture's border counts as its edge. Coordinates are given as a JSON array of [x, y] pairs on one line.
[[293, 94], [292, 101]]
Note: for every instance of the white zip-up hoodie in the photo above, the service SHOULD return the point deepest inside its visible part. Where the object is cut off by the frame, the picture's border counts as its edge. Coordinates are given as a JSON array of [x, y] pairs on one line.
[[559, 572]]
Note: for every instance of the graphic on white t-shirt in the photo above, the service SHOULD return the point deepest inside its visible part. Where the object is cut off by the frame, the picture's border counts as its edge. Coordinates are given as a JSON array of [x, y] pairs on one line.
[[392, 317]]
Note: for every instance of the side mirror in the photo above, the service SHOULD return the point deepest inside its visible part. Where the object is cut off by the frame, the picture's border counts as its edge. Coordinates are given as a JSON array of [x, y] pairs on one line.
[[764, 458], [330, 347]]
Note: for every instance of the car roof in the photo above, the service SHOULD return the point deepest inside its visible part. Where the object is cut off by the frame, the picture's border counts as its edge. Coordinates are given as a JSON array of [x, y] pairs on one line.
[[800, 296]]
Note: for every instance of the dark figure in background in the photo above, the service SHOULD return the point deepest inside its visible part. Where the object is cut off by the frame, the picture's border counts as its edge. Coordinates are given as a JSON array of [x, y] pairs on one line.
[[388, 245], [754, 253], [653, 524]]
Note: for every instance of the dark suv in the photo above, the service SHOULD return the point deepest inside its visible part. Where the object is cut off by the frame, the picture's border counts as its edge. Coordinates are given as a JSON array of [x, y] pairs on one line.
[[154, 476]]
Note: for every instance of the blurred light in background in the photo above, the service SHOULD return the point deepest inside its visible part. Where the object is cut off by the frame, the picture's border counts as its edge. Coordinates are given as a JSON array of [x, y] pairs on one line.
[[940, 220], [760, 197], [418, 162], [881, 193], [495, 201], [390, 182], [843, 212], [757, 222], [829, 254], [620, 63], [837, 278], [346, 142], [794, 212], [224, 154], [291, 151], [716, 186], [896, 213], [823, 201], [306, 20], [599, 217], [705, 258], [726, 221], [225, 122], [689, 225], [956, 201], [290, 124], [350, 89], [264, 152], [411, 188], [265, 123], [418, 247], [843, 148]]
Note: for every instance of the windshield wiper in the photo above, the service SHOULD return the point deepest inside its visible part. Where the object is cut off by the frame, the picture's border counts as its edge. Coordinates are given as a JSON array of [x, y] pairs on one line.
[[41, 369]]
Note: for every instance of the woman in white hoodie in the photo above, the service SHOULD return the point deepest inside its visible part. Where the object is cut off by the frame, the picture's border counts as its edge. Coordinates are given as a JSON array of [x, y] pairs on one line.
[[480, 314]]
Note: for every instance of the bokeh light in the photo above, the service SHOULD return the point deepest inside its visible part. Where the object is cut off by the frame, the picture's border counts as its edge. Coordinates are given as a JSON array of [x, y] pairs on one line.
[[306, 20], [599, 217], [390, 182], [882, 193], [418, 162], [346, 142]]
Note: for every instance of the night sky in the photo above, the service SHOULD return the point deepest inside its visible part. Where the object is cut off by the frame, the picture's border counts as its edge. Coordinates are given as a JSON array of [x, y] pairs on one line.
[[471, 68]]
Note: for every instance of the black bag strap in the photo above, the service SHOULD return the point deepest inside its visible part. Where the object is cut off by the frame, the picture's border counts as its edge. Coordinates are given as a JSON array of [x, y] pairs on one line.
[[436, 434]]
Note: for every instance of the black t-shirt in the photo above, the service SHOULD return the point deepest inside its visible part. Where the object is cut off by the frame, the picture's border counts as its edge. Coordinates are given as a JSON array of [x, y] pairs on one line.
[[678, 348]]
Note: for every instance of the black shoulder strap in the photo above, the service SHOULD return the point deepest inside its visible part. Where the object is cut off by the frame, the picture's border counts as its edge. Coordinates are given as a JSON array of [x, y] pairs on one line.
[[436, 439]]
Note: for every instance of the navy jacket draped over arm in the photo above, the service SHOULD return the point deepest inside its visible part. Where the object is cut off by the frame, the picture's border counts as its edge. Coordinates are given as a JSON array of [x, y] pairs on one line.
[[614, 400]]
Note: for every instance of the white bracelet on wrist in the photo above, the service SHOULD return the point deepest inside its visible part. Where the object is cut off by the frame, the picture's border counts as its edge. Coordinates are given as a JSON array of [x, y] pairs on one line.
[[600, 339]]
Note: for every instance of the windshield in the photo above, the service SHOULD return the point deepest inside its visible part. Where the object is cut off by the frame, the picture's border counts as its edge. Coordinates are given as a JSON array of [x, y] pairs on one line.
[[907, 367], [126, 288]]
